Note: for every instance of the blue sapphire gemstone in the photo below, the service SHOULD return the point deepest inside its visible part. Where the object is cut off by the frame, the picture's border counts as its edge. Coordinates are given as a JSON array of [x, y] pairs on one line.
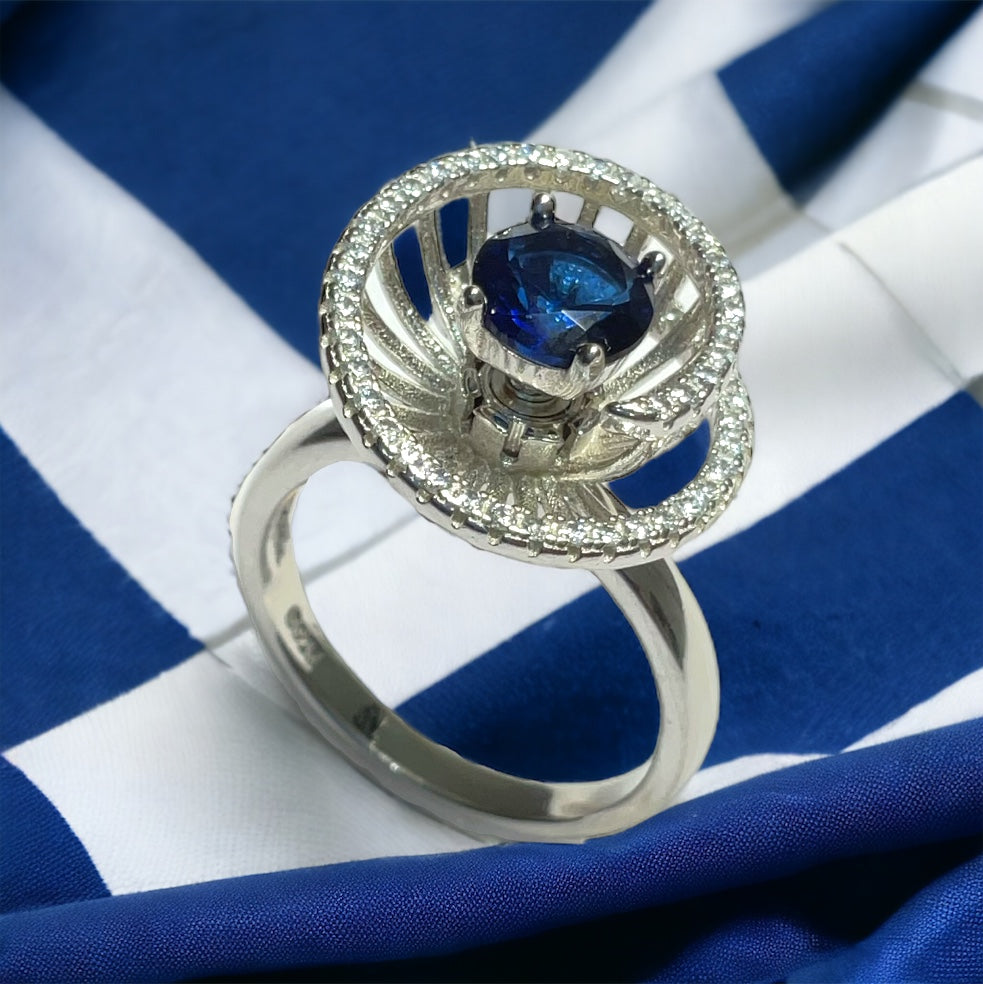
[[550, 290]]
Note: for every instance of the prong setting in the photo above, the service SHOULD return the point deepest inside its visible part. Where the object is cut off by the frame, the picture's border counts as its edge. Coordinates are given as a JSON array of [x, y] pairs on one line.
[[518, 428], [651, 265], [474, 296], [591, 356], [543, 210]]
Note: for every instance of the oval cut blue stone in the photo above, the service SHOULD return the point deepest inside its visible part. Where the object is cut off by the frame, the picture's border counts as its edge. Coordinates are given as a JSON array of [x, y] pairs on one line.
[[550, 290]]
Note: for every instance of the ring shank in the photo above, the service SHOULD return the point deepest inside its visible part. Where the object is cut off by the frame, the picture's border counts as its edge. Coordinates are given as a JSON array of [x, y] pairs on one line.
[[654, 598]]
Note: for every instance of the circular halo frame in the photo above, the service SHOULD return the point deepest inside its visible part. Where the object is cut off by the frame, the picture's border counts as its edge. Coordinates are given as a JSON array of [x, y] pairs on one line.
[[551, 518]]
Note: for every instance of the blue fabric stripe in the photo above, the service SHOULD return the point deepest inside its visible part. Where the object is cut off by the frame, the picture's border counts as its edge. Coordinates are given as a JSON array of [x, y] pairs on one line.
[[255, 130], [809, 93], [921, 790], [7, 7], [76, 630], [754, 933], [667, 474], [42, 862], [944, 918], [882, 561]]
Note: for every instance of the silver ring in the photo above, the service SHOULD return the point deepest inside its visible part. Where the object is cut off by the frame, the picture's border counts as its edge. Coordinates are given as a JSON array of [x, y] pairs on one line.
[[556, 359]]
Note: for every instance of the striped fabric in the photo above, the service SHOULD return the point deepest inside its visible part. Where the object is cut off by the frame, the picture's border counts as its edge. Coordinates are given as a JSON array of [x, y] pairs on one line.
[[173, 177]]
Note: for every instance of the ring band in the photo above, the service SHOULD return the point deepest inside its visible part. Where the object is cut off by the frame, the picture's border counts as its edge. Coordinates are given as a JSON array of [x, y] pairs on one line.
[[527, 478], [654, 598]]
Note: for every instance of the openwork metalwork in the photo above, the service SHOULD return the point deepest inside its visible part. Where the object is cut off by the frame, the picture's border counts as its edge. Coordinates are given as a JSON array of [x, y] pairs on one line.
[[434, 405]]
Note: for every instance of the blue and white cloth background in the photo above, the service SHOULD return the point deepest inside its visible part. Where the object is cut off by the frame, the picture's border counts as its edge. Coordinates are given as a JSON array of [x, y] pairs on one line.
[[173, 177]]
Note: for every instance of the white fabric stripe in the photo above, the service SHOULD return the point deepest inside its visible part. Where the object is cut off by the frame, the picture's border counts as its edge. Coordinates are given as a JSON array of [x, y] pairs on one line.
[[717, 777], [834, 361], [917, 138], [139, 385], [883, 166], [692, 142], [440, 604], [959, 702], [671, 42], [193, 777], [937, 229], [266, 793], [957, 68]]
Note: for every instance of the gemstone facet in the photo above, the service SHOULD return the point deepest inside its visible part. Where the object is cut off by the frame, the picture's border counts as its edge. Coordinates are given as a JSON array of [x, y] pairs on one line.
[[551, 290]]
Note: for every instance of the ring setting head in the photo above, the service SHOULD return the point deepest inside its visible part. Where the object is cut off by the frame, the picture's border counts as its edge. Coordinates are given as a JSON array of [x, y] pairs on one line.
[[556, 359], [562, 296]]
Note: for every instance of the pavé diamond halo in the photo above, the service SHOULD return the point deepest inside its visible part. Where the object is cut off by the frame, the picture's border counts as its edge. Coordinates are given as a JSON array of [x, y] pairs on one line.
[[408, 387], [553, 359]]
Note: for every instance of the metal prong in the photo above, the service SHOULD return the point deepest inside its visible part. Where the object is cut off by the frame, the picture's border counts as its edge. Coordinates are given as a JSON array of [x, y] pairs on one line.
[[543, 210], [513, 442], [588, 364], [591, 354], [651, 264], [472, 315], [470, 381]]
